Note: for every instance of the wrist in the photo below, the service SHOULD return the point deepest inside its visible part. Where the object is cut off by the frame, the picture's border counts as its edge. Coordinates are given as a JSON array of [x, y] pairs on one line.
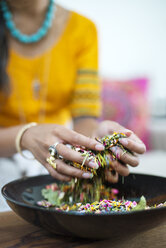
[[26, 138], [20, 142]]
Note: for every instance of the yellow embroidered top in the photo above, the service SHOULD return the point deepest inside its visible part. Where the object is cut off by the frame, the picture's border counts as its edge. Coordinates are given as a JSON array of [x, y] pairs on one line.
[[60, 84]]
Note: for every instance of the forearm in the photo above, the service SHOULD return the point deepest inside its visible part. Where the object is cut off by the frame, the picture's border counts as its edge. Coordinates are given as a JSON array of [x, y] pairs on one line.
[[7, 140], [85, 126]]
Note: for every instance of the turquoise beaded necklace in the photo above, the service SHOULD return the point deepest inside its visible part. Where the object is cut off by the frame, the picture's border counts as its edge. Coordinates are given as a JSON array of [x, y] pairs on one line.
[[35, 37]]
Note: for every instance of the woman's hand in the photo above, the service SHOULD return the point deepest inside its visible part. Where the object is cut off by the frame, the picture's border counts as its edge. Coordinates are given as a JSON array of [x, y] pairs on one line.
[[38, 139], [132, 143]]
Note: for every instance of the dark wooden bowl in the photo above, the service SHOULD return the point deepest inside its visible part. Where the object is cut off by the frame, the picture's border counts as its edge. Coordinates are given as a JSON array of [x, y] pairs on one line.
[[22, 195]]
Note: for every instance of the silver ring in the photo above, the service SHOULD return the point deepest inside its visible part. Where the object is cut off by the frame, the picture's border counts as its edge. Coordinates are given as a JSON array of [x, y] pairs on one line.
[[53, 151]]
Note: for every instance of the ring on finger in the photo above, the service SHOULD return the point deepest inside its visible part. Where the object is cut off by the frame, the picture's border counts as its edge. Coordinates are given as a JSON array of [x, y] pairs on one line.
[[51, 162], [53, 150], [124, 152]]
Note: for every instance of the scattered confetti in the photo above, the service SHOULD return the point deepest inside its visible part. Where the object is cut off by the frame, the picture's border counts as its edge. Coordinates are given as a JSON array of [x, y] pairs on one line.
[[92, 196], [104, 206]]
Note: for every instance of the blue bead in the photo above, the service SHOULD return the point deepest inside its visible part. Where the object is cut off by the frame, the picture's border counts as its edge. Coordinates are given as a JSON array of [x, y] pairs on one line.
[[10, 25], [34, 38], [23, 38], [47, 24], [7, 15], [15, 33], [49, 16], [41, 32]]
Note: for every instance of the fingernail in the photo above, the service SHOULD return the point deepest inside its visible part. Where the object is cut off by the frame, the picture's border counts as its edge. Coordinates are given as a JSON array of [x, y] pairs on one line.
[[93, 165], [144, 147], [128, 132], [117, 155], [87, 175], [99, 147], [124, 142], [136, 162]]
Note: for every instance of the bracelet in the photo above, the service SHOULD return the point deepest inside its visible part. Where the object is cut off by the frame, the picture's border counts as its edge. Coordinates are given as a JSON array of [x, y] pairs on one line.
[[19, 137]]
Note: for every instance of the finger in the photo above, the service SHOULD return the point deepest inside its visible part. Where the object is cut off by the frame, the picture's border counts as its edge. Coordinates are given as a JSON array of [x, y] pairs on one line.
[[134, 137], [122, 169], [125, 157], [63, 171], [56, 174], [68, 170], [119, 129], [127, 132], [110, 177], [72, 155], [52, 172], [133, 146], [74, 138]]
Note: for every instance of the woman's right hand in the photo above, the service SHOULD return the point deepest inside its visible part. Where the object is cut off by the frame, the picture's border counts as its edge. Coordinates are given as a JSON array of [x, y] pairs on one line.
[[38, 139]]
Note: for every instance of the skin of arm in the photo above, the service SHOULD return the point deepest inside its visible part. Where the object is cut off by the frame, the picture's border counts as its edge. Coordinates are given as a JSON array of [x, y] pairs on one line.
[[85, 125], [8, 135], [7, 140]]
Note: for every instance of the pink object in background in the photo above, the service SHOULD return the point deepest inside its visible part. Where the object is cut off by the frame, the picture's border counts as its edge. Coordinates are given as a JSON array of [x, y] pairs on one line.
[[126, 102]]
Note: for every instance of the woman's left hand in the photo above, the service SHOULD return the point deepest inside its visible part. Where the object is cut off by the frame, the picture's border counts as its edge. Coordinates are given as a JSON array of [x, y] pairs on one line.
[[132, 143]]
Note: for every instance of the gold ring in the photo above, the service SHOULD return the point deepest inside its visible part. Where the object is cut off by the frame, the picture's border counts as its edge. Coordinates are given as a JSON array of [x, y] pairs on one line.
[[123, 153], [51, 161]]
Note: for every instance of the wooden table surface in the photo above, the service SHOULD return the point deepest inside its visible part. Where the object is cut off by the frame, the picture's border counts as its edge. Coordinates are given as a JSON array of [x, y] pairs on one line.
[[16, 233]]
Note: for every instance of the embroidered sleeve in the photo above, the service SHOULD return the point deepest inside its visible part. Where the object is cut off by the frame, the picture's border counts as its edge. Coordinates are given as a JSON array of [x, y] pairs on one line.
[[86, 94]]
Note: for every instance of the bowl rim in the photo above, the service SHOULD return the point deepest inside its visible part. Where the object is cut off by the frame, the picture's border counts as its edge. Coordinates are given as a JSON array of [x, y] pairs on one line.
[[77, 213]]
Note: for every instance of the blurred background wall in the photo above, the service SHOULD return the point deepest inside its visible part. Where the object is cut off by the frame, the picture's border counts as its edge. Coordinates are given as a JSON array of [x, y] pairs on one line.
[[132, 41]]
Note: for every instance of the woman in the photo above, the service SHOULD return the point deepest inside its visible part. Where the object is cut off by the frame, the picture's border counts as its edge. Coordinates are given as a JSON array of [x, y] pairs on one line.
[[48, 75]]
